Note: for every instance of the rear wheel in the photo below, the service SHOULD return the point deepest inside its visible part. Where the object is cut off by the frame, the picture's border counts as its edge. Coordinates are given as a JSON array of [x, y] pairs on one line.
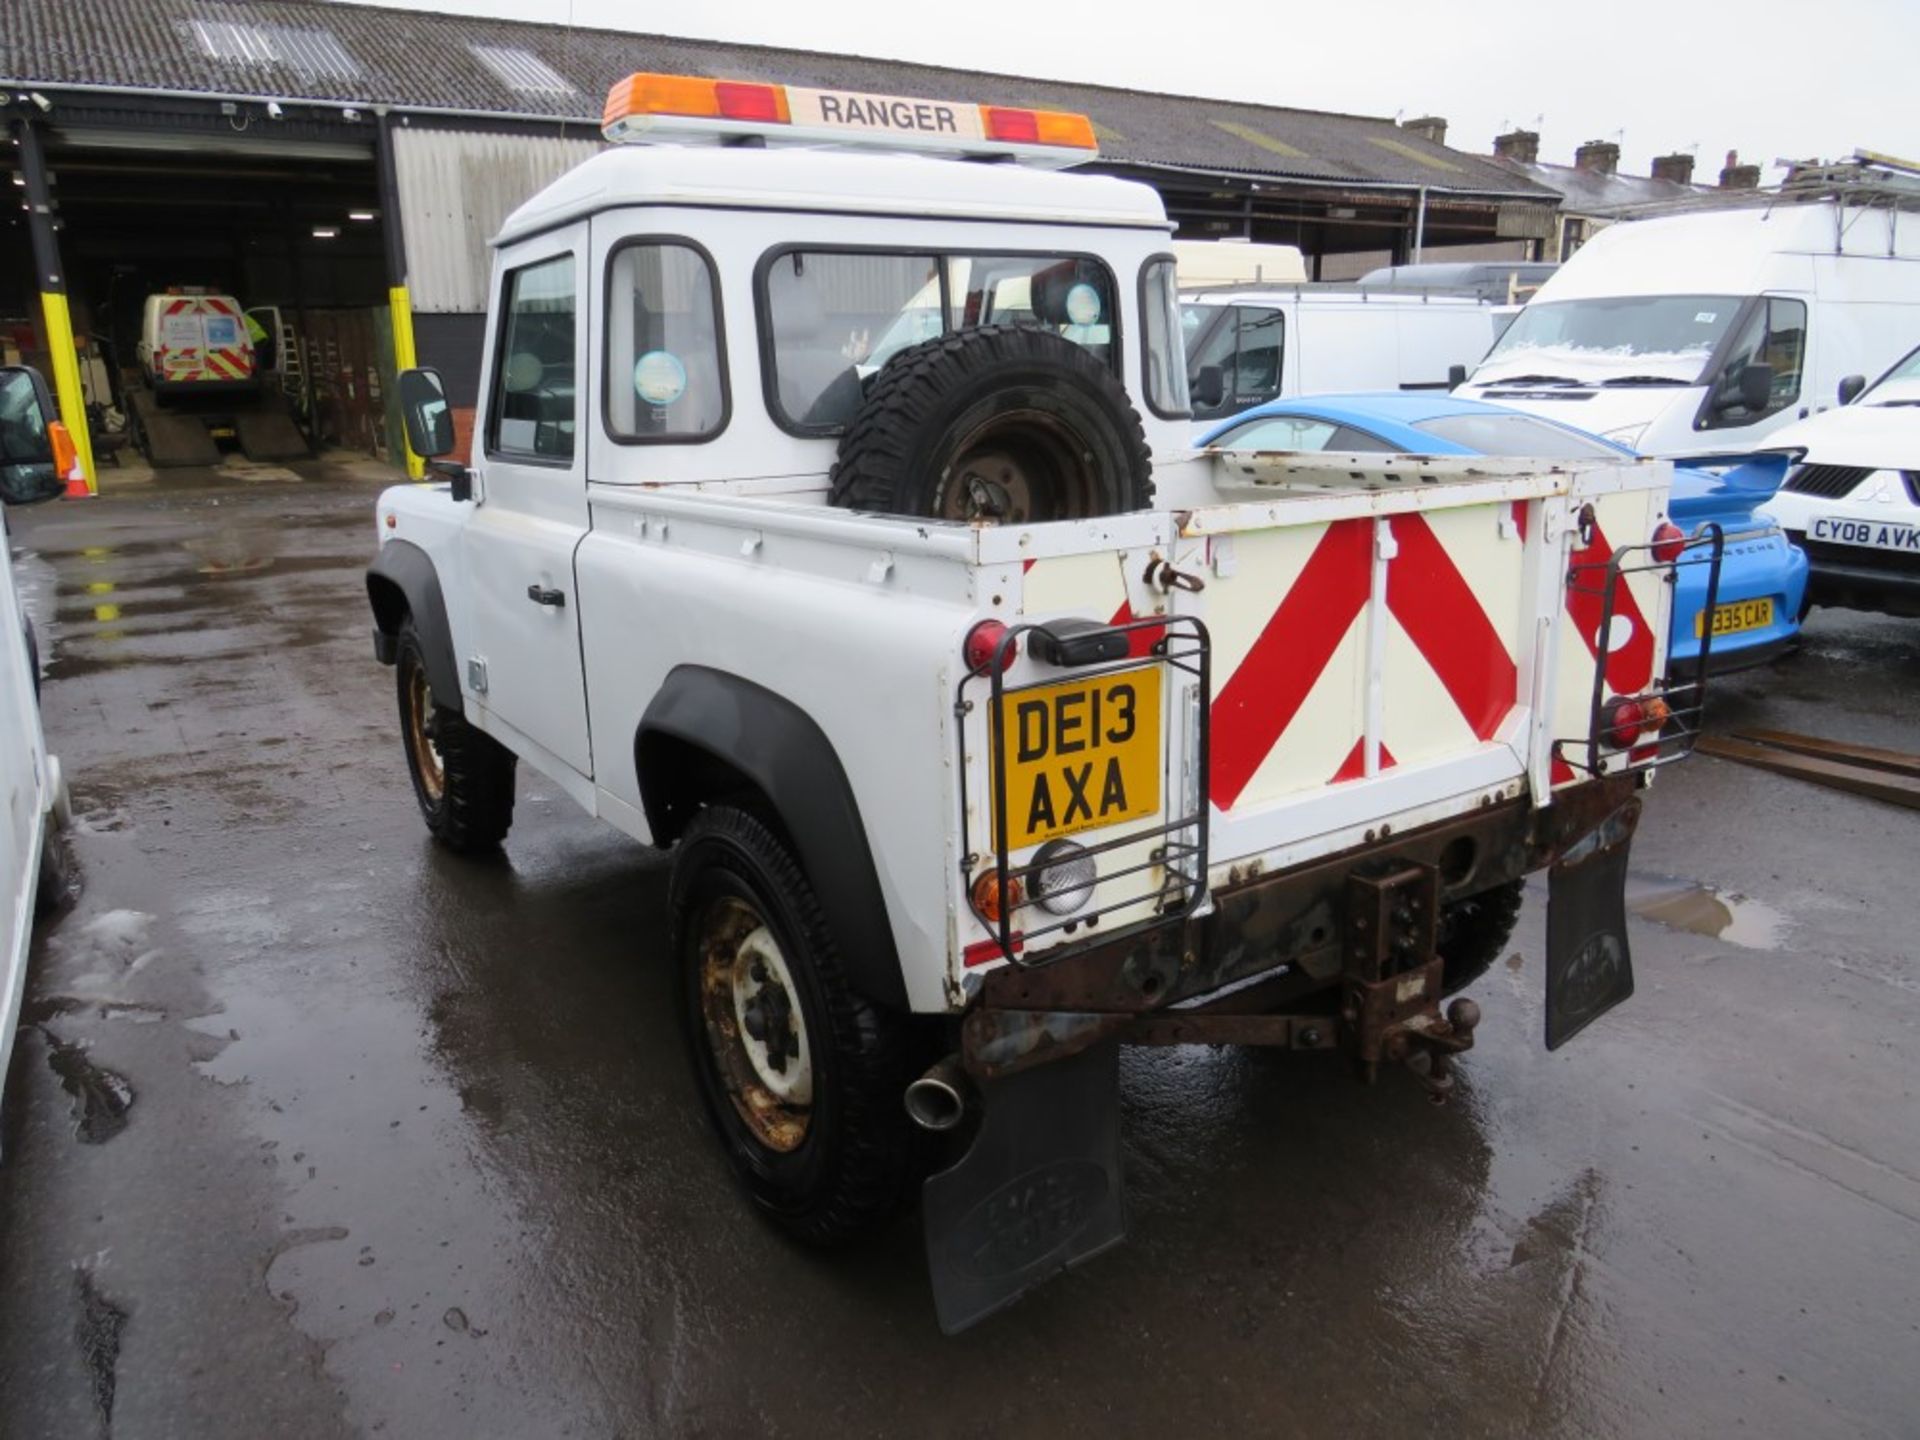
[[802, 1077], [1474, 931], [462, 777]]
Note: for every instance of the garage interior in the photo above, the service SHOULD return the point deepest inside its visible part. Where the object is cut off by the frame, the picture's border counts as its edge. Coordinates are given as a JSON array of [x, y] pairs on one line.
[[152, 196]]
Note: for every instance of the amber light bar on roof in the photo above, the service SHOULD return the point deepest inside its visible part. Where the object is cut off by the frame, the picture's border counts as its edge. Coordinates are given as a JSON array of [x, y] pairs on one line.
[[694, 108]]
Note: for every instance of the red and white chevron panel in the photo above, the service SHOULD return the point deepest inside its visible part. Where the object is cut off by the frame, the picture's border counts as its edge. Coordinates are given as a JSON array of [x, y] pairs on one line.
[[1294, 627]]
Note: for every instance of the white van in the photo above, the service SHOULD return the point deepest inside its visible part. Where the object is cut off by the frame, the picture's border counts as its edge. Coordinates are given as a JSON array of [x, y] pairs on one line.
[[1704, 331], [1246, 346]]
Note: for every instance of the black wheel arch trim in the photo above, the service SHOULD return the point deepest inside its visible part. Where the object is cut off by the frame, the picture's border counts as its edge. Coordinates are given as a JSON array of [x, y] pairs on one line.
[[779, 749], [407, 569]]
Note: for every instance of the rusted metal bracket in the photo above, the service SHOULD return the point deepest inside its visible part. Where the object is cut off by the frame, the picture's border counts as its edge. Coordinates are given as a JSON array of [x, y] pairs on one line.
[[1393, 979]]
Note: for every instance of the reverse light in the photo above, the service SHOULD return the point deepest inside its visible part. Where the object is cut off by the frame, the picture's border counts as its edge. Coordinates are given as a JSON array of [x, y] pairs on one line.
[[1063, 877], [982, 641], [988, 896], [1669, 542]]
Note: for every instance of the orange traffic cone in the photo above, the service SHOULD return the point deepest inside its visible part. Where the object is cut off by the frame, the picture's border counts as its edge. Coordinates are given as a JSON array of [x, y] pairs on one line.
[[66, 460]]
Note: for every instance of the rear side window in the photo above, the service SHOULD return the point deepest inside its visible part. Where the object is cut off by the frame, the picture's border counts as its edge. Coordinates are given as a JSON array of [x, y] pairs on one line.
[[1163, 345], [533, 411], [830, 319], [1298, 433], [666, 370], [1517, 434]]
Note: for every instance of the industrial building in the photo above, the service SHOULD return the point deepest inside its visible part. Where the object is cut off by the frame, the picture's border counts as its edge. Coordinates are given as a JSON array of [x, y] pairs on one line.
[[348, 164]]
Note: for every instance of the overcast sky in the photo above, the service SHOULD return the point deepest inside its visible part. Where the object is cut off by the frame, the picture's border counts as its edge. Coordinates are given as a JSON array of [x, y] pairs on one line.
[[1770, 78]]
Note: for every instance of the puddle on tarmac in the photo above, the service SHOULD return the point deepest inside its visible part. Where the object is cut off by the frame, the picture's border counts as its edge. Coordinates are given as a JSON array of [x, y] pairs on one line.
[[101, 1098], [1702, 910]]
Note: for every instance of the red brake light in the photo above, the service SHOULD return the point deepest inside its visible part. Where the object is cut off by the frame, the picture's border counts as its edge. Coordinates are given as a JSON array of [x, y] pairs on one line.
[[981, 643], [751, 102], [1625, 719], [1018, 126], [1669, 540]]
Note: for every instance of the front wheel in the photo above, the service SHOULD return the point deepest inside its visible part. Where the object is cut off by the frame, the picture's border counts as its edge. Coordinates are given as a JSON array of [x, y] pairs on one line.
[[462, 777], [802, 1077]]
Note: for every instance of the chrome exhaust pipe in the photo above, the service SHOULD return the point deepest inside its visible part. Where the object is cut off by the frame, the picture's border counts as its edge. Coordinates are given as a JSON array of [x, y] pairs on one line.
[[938, 1099]]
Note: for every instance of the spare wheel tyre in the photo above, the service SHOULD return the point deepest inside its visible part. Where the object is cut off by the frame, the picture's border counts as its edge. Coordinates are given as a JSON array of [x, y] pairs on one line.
[[1004, 423]]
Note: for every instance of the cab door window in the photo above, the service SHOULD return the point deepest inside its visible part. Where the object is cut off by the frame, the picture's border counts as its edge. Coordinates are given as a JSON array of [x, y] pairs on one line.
[[533, 412], [1246, 346], [1774, 334]]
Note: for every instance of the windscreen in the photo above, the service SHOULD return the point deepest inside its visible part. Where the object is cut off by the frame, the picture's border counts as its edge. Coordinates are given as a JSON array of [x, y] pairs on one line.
[[1517, 434], [1619, 339], [1899, 386], [833, 319]]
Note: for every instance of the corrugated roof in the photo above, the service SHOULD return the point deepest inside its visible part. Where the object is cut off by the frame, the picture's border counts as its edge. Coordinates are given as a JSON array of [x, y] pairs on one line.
[[364, 55]]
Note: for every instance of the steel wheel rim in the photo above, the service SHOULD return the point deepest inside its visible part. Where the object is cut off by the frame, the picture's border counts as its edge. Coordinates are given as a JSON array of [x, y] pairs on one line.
[[420, 726], [995, 468], [755, 1029]]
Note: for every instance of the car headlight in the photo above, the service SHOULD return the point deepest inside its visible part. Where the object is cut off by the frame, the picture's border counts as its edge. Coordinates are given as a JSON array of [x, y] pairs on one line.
[[1627, 435], [1063, 877]]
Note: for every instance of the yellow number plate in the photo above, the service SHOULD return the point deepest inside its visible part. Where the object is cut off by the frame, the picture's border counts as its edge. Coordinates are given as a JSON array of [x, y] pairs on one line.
[[1081, 754], [1731, 619]]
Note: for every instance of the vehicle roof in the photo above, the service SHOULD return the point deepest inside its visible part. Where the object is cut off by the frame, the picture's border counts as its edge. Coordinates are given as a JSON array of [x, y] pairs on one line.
[[1455, 272], [1718, 252], [822, 179], [1323, 293], [1394, 416]]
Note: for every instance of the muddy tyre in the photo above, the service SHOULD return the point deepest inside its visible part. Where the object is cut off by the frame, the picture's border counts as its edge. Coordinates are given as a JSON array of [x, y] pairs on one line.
[[462, 777], [1007, 423], [1474, 931], [802, 1078]]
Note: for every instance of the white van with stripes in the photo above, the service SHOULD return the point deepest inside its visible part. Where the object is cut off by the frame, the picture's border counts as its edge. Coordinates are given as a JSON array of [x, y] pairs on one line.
[[832, 521]]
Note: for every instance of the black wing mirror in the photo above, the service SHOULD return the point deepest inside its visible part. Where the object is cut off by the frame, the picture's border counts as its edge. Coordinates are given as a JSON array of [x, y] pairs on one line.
[[426, 414], [1756, 387], [1456, 376], [30, 435], [1850, 388], [1209, 387]]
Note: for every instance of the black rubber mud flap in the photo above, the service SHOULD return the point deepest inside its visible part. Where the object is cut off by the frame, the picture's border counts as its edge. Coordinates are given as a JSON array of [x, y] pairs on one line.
[[1038, 1192], [1589, 967]]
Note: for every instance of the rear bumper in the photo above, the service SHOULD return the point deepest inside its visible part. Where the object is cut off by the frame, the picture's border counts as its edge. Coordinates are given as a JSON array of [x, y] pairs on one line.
[[1857, 579], [1769, 567], [1271, 943]]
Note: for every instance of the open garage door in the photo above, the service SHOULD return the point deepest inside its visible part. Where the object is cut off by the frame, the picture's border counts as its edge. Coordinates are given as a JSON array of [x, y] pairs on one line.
[[283, 215]]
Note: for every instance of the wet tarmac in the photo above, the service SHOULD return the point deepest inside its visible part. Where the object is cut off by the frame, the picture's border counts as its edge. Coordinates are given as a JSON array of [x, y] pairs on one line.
[[314, 1130]]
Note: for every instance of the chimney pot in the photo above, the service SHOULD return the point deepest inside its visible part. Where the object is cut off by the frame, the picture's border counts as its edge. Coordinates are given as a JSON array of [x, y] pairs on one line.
[[1676, 168], [1520, 145], [1735, 176], [1598, 157], [1428, 127]]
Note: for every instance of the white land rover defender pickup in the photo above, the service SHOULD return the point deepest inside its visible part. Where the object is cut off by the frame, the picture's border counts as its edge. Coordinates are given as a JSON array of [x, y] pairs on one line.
[[832, 521]]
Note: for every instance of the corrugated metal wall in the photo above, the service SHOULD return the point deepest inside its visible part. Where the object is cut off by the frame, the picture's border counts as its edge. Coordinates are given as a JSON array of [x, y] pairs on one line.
[[456, 189]]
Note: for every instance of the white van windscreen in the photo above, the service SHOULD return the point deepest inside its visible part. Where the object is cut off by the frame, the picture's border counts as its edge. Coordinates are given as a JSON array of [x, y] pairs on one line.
[[1614, 340], [830, 320]]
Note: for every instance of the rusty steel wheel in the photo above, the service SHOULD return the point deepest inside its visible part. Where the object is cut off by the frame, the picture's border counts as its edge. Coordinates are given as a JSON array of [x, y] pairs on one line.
[[801, 1075], [462, 777], [755, 1028], [421, 738]]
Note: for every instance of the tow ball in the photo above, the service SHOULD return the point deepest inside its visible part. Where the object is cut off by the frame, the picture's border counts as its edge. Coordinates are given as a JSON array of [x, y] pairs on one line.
[[1391, 1008]]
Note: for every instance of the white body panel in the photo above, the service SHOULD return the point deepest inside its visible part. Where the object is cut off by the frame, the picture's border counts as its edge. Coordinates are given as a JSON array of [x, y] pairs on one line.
[[29, 780], [1857, 271], [723, 554], [1878, 519]]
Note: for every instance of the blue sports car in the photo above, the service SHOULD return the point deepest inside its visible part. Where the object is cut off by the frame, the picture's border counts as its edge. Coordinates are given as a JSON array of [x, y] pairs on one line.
[[1763, 576]]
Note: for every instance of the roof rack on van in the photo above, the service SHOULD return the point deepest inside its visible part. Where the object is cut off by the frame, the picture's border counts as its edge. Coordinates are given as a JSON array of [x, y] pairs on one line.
[[1867, 180], [1385, 294]]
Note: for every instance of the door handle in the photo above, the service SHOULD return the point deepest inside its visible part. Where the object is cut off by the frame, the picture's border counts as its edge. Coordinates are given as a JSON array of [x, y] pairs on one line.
[[541, 595]]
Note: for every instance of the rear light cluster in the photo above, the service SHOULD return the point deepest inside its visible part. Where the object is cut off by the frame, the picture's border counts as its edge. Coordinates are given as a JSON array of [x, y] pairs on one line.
[[1669, 542], [1625, 721], [983, 642]]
